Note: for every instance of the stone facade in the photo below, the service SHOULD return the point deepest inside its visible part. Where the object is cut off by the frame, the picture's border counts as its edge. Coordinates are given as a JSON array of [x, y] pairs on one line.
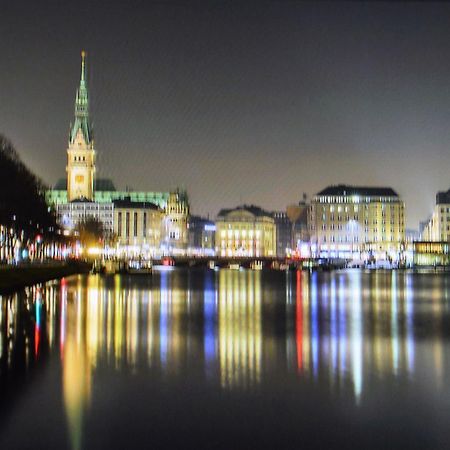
[[138, 228], [246, 231]]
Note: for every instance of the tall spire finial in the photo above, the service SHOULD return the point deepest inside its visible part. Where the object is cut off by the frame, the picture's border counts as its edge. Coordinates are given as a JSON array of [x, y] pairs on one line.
[[83, 65]]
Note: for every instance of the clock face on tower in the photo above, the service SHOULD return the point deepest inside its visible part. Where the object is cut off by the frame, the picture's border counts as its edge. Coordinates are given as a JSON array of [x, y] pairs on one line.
[[79, 179]]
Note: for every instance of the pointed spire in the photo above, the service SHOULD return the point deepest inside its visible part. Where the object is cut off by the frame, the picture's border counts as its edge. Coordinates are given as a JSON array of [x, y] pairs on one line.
[[82, 107]]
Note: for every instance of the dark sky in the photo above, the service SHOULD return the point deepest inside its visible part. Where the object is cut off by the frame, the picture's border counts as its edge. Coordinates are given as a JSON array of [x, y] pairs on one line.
[[252, 102]]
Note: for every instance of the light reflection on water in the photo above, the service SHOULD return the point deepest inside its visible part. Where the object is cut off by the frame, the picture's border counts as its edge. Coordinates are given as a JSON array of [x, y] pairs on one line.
[[236, 329]]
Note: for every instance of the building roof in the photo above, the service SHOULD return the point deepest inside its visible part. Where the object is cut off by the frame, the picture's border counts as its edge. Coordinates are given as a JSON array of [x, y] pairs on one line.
[[128, 203], [443, 197], [81, 200], [100, 184], [103, 184], [255, 210], [346, 190]]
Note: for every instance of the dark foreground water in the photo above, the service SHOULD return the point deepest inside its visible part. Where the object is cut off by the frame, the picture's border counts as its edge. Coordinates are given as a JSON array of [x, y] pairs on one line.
[[229, 360]]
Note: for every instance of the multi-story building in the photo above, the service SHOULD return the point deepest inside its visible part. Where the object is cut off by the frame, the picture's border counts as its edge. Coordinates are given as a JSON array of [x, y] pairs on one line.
[[437, 229], [284, 233], [245, 231], [138, 228], [201, 235], [357, 223], [69, 215]]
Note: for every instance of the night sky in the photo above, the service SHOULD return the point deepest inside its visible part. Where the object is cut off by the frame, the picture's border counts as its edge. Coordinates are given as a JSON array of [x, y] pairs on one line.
[[253, 102]]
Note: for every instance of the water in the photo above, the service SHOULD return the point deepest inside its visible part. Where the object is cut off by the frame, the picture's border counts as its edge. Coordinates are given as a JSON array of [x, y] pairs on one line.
[[229, 359]]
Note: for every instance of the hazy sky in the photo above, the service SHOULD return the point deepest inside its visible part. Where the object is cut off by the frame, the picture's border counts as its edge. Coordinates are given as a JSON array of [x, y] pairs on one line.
[[252, 102]]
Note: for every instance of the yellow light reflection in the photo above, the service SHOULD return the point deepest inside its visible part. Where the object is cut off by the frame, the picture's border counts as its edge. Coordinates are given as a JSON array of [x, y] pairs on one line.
[[240, 342]]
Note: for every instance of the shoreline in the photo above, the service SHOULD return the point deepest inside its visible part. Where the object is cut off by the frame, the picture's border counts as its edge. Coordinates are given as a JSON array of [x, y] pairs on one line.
[[15, 278]]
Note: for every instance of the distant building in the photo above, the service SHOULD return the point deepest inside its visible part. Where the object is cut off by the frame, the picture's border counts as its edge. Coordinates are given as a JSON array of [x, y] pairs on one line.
[[298, 215], [69, 215], [284, 233], [138, 228], [175, 223], [357, 223], [245, 231], [437, 228], [201, 234]]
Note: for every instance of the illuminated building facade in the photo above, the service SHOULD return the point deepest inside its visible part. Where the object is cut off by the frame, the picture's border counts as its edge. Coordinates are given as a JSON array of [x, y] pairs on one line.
[[137, 227], [437, 229], [69, 215], [175, 223], [357, 223], [245, 231], [431, 253]]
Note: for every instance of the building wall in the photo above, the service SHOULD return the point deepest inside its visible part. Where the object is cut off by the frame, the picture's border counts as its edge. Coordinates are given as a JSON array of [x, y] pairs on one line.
[[341, 226], [284, 233], [138, 230], [70, 214], [438, 228], [176, 222], [241, 233]]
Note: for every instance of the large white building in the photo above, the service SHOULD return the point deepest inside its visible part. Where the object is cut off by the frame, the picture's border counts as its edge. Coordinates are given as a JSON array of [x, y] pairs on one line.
[[138, 228], [69, 215], [351, 222], [246, 231]]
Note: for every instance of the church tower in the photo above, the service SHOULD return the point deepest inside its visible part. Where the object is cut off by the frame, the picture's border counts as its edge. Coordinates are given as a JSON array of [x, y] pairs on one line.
[[80, 153]]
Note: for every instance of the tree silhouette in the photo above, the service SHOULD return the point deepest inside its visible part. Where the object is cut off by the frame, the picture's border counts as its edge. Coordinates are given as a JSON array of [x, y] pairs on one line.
[[90, 232], [22, 195]]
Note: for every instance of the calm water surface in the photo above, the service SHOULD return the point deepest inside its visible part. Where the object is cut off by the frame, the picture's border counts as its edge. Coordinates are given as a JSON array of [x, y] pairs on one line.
[[229, 359]]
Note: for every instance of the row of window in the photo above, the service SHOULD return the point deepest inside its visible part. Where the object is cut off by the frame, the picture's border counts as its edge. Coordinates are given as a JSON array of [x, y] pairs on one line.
[[77, 207], [333, 238], [242, 233], [355, 217], [356, 199], [356, 208], [352, 226]]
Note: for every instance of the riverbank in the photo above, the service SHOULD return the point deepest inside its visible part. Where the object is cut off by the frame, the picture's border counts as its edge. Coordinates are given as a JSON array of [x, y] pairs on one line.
[[13, 278]]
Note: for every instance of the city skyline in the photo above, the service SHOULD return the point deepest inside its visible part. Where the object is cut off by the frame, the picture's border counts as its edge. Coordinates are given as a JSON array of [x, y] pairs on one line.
[[222, 118]]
